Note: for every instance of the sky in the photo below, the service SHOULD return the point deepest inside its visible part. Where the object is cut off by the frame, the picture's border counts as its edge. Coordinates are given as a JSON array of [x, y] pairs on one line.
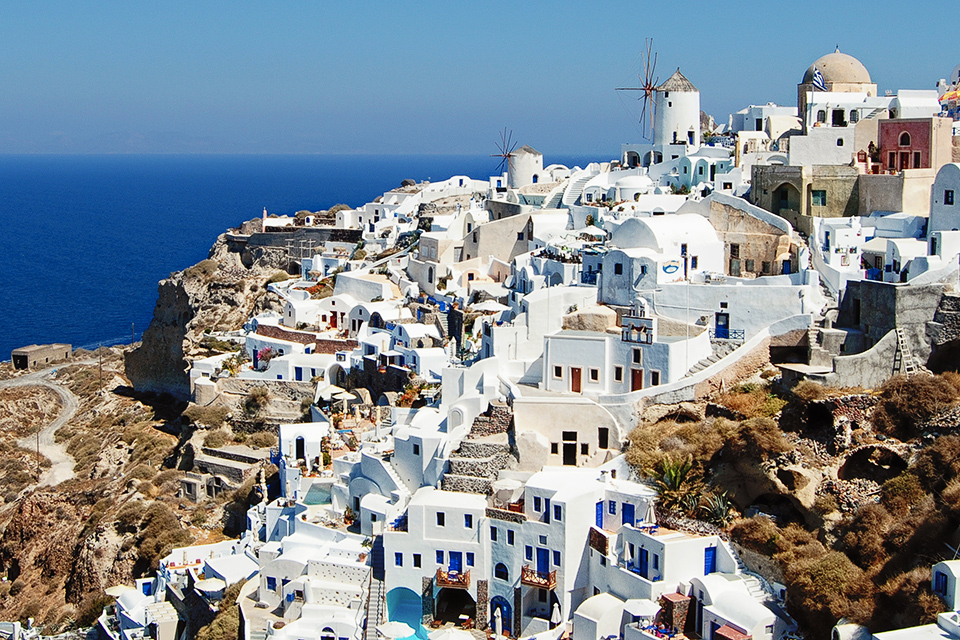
[[428, 77]]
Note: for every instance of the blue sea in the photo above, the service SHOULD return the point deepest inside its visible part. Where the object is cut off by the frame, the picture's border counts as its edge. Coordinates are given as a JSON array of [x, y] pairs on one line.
[[86, 238]]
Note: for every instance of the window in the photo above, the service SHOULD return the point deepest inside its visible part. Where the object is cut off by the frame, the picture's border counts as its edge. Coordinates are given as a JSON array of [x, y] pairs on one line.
[[819, 198], [612, 507], [638, 356], [904, 139], [584, 449], [727, 185], [656, 561], [558, 372], [555, 448], [594, 375], [474, 237], [643, 269], [468, 521], [500, 572], [520, 236], [765, 267], [556, 558], [373, 517], [735, 251], [693, 262], [821, 115], [510, 536], [528, 552], [416, 449], [537, 504], [569, 436], [416, 560], [618, 374], [603, 438], [543, 539], [271, 583], [469, 558], [916, 159], [892, 164], [493, 533], [618, 268], [440, 557], [441, 519], [939, 583], [948, 196], [557, 511], [398, 559], [839, 142], [654, 378]]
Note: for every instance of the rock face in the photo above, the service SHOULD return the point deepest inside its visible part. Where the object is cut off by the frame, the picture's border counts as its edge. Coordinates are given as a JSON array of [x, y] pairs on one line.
[[217, 294]]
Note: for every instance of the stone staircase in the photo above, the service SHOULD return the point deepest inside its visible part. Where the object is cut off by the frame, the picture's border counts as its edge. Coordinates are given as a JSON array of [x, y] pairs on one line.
[[757, 586], [555, 199], [721, 349], [483, 453]]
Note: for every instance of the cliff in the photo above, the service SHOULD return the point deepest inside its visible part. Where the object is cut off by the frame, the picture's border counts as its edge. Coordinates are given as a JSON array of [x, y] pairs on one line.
[[217, 294]]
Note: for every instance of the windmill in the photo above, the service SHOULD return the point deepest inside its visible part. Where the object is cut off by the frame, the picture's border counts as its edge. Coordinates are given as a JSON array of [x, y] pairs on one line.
[[649, 82], [506, 147]]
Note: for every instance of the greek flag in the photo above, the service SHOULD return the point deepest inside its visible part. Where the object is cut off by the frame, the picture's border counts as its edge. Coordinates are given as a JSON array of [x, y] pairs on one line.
[[818, 83]]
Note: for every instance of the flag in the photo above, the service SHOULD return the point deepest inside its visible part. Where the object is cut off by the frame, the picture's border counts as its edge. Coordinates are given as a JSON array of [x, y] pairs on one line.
[[818, 83]]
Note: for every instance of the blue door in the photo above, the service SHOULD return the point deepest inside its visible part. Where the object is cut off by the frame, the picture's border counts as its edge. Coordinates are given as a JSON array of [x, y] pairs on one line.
[[709, 560], [600, 515], [298, 373], [543, 560], [644, 562], [456, 561], [627, 514], [723, 326], [786, 267]]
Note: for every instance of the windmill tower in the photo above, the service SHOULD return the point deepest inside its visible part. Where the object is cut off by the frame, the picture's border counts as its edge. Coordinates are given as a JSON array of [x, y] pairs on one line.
[[524, 165], [677, 112]]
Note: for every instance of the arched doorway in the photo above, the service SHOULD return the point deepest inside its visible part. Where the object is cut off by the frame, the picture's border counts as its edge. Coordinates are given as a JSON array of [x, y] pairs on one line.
[[301, 449], [786, 196], [403, 605], [499, 603]]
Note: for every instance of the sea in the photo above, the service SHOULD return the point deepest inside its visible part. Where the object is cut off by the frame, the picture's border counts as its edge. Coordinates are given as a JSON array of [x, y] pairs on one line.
[[84, 239]]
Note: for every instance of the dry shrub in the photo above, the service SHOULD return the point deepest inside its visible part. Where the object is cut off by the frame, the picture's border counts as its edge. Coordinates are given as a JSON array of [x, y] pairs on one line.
[[752, 401], [825, 588], [865, 535], [938, 464], [209, 416], [905, 600], [226, 625], [825, 504], [902, 492], [90, 608], [760, 534], [809, 391], [129, 516], [758, 438], [953, 379], [215, 439], [908, 401], [160, 532], [261, 439]]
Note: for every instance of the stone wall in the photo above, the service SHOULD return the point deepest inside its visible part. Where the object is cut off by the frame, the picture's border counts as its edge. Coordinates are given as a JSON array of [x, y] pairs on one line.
[[466, 484], [744, 367], [279, 333], [498, 418], [758, 563]]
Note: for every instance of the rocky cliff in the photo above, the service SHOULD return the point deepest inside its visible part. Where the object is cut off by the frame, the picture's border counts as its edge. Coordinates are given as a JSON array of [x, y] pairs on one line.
[[217, 294]]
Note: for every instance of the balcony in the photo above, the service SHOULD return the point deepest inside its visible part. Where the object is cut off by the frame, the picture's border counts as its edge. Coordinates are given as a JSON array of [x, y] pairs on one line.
[[532, 578], [453, 579], [727, 334]]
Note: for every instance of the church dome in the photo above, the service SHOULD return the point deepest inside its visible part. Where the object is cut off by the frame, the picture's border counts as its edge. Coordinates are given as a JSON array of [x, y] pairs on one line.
[[838, 67]]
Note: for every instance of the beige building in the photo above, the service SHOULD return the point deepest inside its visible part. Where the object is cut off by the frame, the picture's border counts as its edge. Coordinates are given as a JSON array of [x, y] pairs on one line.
[[841, 73]]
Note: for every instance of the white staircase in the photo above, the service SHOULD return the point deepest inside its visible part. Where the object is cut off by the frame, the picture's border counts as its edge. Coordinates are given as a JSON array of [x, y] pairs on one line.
[[571, 195]]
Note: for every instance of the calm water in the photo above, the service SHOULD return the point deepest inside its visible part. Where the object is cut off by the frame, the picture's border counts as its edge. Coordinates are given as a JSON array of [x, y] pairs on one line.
[[85, 239]]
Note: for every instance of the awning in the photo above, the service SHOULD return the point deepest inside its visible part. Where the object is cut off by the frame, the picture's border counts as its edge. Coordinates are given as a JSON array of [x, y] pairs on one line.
[[641, 607]]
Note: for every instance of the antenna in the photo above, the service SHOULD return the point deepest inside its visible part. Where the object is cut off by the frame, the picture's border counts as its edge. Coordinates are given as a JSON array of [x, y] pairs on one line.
[[648, 84], [505, 147]]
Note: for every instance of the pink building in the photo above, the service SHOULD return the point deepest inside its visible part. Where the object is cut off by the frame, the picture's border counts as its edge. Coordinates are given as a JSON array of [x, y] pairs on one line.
[[922, 143]]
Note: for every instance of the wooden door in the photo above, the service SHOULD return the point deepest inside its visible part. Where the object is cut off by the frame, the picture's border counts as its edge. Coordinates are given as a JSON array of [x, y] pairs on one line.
[[636, 379], [575, 373]]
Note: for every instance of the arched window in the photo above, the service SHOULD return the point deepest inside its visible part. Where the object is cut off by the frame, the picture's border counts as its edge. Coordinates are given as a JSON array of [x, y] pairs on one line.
[[904, 139], [500, 572], [430, 275], [821, 116], [535, 178]]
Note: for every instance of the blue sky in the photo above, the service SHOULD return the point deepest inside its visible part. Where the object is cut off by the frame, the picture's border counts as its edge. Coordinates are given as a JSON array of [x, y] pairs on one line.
[[424, 77]]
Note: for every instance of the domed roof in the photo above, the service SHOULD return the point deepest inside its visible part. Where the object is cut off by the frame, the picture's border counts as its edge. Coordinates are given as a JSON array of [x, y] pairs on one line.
[[838, 67]]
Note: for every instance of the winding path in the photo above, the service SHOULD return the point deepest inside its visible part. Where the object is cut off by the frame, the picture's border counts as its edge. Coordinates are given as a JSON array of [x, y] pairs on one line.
[[61, 468]]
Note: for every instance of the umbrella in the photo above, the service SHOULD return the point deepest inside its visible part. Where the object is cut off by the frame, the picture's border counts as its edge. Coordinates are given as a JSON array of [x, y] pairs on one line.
[[395, 629], [328, 392], [450, 633], [490, 305], [641, 607], [345, 396], [498, 622], [626, 553], [555, 618]]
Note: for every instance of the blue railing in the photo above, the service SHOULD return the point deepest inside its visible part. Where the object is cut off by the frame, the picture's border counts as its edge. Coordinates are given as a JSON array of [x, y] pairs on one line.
[[727, 334], [588, 277]]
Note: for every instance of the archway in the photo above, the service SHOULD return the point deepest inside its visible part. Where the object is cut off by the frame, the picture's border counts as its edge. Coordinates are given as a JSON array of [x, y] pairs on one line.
[[786, 196], [556, 279], [404, 605], [301, 448], [499, 603], [452, 603], [873, 463]]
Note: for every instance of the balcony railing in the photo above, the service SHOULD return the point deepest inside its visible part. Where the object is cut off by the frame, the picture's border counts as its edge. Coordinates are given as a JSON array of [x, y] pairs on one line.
[[728, 334], [453, 579], [533, 578], [588, 277]]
